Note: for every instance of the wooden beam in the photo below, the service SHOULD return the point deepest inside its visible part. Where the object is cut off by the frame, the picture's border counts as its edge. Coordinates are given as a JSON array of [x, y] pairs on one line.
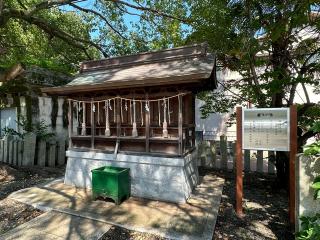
[[147, 130], [70, 126], [239, 164], [293, 153], [180, 123]]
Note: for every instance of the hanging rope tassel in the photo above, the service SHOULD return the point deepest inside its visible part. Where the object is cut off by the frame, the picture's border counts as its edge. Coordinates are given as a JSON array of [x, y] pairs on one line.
[[83, 129], [77, 110], [134, 124], [107, 130], [141, 113], [165, 124]]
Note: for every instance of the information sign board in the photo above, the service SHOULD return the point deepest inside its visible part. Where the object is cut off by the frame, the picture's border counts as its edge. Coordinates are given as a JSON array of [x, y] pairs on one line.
[[266, 129]]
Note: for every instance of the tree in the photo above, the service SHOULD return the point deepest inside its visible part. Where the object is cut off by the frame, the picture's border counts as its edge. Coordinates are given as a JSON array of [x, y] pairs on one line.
[[69, 31], [273, 44]]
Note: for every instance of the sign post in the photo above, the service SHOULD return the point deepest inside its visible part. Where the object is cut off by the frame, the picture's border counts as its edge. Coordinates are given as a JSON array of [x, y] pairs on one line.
[[267, 129], [292, 160], [239, 164]]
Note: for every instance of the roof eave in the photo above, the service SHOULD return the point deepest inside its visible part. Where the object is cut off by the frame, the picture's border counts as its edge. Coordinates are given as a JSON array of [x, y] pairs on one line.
[[66, 90]]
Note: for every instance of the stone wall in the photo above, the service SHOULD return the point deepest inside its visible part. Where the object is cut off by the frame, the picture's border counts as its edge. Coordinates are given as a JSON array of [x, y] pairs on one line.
[[160, 178], [307, 168]]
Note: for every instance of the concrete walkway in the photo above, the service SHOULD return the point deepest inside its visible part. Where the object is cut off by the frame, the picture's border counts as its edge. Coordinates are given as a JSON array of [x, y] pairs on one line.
[[58, 226], [193, 220]]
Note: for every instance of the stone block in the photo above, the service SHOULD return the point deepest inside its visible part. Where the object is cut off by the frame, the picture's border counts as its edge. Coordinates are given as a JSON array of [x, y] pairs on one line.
[[42, 150], [149, 178], [6, 141], [15, 153], [61, 152], [20, 152], [1, 150], [10, 151], [29, 148], [307, 168], [52, 154]]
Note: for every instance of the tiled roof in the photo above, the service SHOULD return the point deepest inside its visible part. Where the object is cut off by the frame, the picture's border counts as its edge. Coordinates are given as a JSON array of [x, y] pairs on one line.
[[172, 66]]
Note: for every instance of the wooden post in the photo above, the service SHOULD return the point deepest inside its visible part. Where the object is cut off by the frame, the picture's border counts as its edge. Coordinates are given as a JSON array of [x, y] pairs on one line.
[[70, 119], [293, 152], [92, 124], [180, 125], [118, 119], [147, 126], [239, 164]]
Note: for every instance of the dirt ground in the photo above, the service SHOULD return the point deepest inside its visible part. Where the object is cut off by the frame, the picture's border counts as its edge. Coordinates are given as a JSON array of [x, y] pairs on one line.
[[265, 207], [13, 213]]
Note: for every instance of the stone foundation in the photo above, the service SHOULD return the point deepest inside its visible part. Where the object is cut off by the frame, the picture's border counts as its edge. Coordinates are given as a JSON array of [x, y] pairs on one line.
[[162, 178]]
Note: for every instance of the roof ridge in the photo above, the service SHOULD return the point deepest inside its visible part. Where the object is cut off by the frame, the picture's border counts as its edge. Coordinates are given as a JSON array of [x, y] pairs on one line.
[[146, 57]]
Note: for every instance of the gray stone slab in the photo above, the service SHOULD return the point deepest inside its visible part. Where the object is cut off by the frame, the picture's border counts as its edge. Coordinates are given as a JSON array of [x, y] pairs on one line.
[[259, 161], [29, 148], [52, 154], [10, 151], [42, 148], [271, 162], [7, 139], [61, 152], [15, 153], [58, 226], [20, 152], [247, 160], [224, 152], [1, 150]]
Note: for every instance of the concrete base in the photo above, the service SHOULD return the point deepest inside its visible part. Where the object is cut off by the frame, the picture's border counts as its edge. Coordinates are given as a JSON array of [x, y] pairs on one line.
[[160, 178]]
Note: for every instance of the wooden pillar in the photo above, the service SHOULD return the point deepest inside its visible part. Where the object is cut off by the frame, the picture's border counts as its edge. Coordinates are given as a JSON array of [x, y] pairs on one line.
[[180, 123], [239, 164], [193, 121], [70, 119], [293, 152], [147, 126], [118, 117], [92, 124]]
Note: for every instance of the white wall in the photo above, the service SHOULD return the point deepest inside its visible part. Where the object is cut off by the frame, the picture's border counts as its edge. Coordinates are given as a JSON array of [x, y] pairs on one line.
[[215, 125]]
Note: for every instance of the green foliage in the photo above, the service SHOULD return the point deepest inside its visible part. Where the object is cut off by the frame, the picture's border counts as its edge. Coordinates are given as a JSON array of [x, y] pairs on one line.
[[312, 149], [316, 187], [40, 129], [310, 228], [262, 41]]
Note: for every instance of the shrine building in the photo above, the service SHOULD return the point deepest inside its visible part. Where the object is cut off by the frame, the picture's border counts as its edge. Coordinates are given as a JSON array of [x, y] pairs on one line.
[[138, 112]]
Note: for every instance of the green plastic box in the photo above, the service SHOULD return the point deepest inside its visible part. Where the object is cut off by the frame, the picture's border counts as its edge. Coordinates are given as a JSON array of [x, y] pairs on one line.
[[111, 182]]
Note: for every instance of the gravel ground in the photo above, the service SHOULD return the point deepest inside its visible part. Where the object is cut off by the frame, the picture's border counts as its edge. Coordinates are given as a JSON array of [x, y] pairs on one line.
[[13, 213], [118, 233], [265, 209], [265, 206]]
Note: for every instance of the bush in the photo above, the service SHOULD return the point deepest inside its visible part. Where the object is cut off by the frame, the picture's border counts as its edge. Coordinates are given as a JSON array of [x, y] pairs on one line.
[[310, 228], [40, 129]]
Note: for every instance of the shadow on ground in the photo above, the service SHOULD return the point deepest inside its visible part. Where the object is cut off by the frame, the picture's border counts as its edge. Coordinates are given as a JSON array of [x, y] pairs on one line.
[[265, 207]]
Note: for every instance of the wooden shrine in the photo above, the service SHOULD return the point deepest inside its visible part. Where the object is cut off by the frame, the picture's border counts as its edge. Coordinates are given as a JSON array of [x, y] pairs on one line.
[[124, 108]]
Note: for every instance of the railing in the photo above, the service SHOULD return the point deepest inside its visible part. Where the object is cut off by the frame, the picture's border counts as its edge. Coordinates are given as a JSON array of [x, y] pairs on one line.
[[139, 136], [221, 155]]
